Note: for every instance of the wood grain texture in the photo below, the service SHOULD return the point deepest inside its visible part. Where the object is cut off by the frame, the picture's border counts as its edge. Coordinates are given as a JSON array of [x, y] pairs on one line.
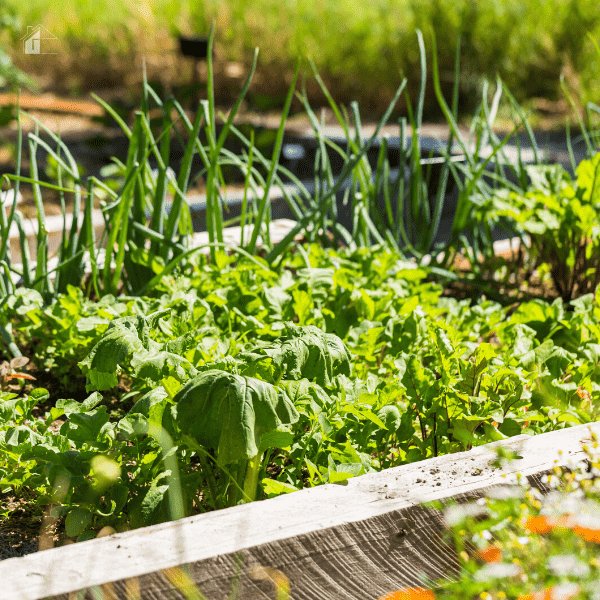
[[357, 541]]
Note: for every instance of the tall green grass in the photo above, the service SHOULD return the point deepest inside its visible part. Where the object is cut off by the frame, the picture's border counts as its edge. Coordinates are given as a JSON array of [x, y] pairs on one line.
[[363, 50]]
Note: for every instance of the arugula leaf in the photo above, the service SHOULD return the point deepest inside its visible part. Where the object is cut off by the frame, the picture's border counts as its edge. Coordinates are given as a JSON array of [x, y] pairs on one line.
[[309, 352]]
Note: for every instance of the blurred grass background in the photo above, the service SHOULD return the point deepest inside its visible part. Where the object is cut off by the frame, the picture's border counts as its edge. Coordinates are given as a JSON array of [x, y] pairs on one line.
[[361, 48]]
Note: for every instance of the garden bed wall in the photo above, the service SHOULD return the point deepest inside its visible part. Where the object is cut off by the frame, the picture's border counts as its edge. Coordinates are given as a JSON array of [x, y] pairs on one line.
[[357, 541]]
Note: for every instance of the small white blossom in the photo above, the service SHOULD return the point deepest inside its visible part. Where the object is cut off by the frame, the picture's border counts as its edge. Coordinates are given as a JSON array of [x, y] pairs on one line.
[[588, 521], [565, 590], [568, 564], [505, 492], [454, 515], [510, 478], [497, 571]]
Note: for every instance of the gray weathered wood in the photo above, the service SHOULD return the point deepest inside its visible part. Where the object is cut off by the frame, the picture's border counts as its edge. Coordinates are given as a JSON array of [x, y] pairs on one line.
[[357, 541]]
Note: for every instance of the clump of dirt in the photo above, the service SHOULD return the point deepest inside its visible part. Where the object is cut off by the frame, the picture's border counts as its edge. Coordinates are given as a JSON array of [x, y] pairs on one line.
[[26, 527]]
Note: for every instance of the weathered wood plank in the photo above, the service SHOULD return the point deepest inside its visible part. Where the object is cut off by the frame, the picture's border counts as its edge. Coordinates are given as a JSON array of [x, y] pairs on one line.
[[329, 542]]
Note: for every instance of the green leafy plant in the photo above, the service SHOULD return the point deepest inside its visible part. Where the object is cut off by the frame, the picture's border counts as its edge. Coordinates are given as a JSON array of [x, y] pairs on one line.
[[233, 415], [208, 394], [562, 219]]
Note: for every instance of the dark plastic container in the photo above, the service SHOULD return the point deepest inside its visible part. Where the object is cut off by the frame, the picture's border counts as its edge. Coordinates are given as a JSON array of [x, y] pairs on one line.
[[196, 47]]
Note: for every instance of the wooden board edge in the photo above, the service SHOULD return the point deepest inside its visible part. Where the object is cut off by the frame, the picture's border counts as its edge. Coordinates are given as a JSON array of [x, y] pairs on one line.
[[78, 566]]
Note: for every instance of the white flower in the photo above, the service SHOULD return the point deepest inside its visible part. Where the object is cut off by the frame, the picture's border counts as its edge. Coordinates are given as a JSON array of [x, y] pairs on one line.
[[564, 590], [585, 520], [454, 515], [567, 564], [505, 492], [596, 593], [510, 478], [497, 571]]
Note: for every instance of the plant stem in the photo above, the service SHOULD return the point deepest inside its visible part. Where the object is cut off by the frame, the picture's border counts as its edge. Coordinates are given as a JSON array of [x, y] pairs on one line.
[[251, 479]]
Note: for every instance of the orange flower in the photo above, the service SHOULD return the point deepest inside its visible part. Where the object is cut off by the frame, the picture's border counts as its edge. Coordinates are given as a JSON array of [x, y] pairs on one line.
[[538, 525], [587, 533], [409, 594], [490, 554], [583, 394], [545, 524]]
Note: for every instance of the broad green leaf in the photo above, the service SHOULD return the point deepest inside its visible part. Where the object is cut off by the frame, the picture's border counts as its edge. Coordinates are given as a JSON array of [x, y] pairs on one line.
[[443, 342], [104, 361], [522, 341], [303, 305], [21, 434], [390, 415], [148, 400], [77, 520], [588, 177], [86, 427], [463, 428], [230, 413], [124, 337], [415, 377], [159, 365], [147, 509], [493, 433], [92, 323], [309, 352], [306, 393], [363, 413], [276, 439]]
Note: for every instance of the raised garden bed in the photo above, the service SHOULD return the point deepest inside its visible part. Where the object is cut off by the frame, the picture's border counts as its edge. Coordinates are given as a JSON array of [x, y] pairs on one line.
[[353, 542]]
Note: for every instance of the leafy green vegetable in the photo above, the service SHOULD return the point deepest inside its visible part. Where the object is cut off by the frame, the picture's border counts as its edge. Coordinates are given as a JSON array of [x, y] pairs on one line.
[[230, 413]]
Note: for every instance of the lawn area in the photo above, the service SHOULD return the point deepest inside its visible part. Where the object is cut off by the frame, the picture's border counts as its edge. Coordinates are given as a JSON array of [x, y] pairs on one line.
[[362, 50]]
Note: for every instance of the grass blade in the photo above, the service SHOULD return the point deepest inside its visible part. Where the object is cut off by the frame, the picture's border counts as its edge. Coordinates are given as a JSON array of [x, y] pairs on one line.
[[274, 162]]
